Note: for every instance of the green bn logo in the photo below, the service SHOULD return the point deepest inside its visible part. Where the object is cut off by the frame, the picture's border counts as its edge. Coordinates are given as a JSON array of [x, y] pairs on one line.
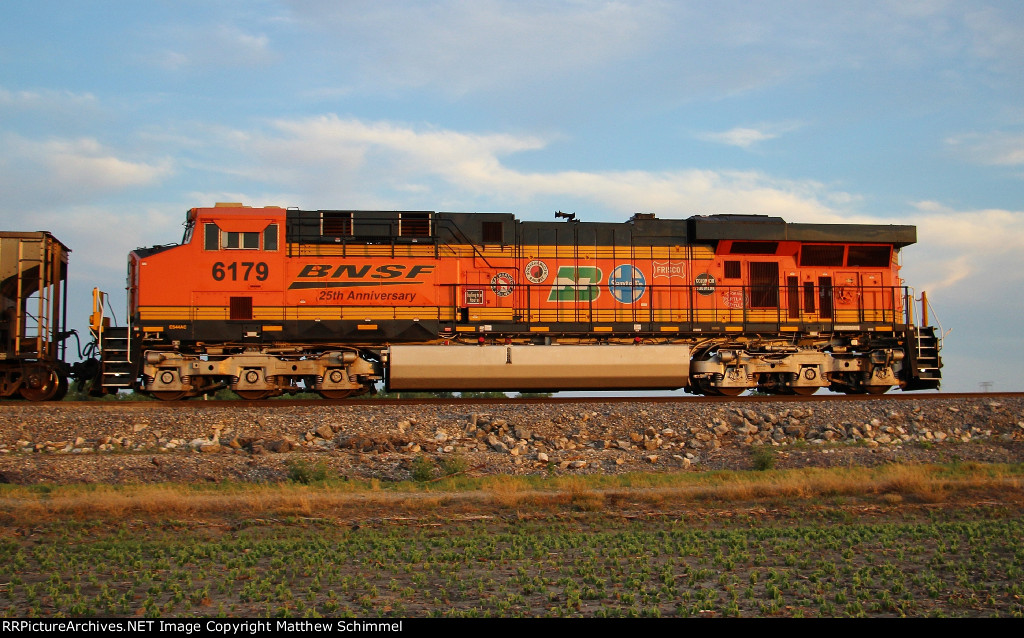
[[576, 284]]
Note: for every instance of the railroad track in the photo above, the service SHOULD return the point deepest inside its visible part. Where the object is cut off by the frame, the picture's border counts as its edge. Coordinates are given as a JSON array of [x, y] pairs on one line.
[[510, 401]]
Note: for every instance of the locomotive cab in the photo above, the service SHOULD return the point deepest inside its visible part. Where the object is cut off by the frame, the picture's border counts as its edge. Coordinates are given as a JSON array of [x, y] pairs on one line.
[[211, 313]]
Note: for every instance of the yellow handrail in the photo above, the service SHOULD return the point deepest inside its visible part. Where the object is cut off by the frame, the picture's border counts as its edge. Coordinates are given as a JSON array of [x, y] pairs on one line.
[[97, 322]]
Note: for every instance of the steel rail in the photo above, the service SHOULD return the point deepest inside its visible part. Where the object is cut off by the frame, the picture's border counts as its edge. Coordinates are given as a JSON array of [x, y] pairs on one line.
[[271, 404]]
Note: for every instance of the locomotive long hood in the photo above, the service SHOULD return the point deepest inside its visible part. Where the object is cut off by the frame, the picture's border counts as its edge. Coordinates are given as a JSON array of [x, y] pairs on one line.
[[763, 228]]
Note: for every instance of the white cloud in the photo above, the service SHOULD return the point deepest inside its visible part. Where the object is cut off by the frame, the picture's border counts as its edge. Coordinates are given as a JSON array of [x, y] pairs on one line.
[[1000, 149], [84, 164], [996, 35], [974, 250], [668, 193], [746, 137], [333, 159], [101, 236], [34, 172], [212, 47], [969, 263], [742, 137], [45, 99], [959, 254], [48, 109]]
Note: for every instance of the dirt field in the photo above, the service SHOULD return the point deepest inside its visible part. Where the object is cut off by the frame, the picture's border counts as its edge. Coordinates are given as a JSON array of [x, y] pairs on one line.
[[880, 509]]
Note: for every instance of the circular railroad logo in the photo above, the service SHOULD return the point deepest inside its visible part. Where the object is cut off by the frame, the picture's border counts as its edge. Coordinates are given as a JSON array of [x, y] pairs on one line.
[[705, 284], [627, 284], [502, 284], [536, 271]]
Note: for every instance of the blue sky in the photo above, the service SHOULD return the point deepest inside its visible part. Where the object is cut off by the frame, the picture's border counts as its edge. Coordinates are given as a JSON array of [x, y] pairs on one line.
[[117, 117]]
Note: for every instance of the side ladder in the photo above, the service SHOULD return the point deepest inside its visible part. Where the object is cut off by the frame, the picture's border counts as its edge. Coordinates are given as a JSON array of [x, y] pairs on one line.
[[115, 370], [925, 363], [115, 367]]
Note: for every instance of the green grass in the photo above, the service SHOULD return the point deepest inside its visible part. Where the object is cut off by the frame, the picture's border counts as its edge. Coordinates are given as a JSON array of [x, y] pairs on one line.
[[423, 468], [966, 562], [763, 457], [305, 472]]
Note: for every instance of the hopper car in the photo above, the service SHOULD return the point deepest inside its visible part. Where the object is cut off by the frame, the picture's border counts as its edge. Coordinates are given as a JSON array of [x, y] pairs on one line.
[[33, 316]]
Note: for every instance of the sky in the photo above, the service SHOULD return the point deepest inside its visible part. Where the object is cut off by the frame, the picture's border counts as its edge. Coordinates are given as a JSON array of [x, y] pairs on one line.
[[118, 117]]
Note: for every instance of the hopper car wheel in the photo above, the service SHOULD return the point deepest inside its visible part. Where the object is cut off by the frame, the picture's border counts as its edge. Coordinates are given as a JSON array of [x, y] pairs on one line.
[[336, 394], [42, 384], [254, 395], [804, 391], [876, 389], [169, 395]]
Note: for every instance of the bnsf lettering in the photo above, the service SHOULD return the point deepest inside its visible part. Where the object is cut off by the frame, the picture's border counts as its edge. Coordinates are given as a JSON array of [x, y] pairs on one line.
[[415, 270], [350, 271], [315, 270], [387, 271]]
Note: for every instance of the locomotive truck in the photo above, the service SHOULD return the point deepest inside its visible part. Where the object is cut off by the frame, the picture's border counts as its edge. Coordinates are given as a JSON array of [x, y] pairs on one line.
[[267, 301]]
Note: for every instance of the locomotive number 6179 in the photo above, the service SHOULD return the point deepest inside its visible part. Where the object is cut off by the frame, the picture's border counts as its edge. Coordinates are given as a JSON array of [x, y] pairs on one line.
[[241, 271], [423, 300]]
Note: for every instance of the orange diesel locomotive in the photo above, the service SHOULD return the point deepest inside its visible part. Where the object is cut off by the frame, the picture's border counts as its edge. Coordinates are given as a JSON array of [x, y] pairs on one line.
[[271, 300]]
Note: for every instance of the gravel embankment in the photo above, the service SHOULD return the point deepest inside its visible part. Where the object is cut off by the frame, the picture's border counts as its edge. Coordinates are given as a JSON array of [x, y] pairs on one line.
[[115, 443]]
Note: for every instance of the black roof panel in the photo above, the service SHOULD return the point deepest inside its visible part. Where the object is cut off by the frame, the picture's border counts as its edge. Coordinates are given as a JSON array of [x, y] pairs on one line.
[[764, 228]]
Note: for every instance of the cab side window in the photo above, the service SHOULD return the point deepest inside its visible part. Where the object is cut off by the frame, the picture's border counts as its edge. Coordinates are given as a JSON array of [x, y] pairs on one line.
[[270, 237], [211, 237], [244, 241], [216, 239]]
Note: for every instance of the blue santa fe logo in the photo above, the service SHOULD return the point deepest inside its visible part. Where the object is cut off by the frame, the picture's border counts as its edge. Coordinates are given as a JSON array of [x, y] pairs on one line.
[[627, 284]]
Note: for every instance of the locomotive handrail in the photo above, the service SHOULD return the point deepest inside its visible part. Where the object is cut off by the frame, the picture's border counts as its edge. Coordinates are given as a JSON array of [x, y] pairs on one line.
[[457, 232], [927, 304], [680, 304], [96, 318]]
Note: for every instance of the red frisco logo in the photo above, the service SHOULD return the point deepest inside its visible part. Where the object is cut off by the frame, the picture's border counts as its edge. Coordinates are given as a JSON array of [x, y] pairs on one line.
[[351, 275]]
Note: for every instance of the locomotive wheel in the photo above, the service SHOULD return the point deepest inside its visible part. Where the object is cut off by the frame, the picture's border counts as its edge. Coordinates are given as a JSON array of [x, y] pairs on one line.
[[254, 395], [804, 391], [730, 392], [336, 394], [703, 387], [169, 395], [62, 389], [41, 384]]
